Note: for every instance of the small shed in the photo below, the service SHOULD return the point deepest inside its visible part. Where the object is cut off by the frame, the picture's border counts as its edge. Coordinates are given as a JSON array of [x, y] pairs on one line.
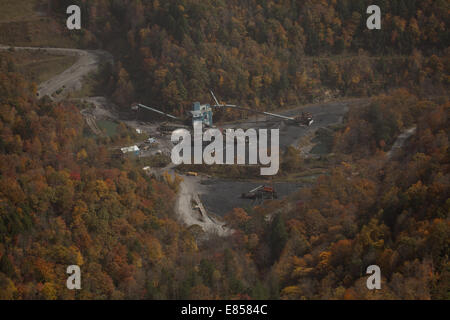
[[133, 149]]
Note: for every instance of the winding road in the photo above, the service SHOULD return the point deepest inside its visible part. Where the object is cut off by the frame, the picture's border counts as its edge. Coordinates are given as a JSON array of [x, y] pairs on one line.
[[400, 141], [69, 80]]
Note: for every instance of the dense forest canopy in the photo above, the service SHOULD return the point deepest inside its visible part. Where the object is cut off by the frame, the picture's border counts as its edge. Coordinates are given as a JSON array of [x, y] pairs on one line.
[[265, 54], [65, 199]]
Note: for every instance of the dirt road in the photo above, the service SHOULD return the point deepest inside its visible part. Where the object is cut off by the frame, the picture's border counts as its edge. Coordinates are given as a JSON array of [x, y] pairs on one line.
[[400, 141], [190, 211], [71, 79]]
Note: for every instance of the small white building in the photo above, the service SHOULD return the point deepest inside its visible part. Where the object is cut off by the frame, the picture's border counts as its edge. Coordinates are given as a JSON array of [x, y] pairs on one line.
[[133, 149]]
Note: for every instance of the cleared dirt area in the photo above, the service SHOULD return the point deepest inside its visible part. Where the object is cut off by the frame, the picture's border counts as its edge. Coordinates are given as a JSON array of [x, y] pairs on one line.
[[189, 208], [324, 114], [221, 196], [39, 66]]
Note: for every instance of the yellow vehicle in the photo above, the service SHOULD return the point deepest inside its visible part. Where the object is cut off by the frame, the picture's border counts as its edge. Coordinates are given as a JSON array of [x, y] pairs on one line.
[[192, 174]]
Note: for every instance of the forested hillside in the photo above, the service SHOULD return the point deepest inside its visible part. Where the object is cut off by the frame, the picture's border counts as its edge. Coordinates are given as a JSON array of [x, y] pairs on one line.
[[368, 210], [266, 54], [65, 199]]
